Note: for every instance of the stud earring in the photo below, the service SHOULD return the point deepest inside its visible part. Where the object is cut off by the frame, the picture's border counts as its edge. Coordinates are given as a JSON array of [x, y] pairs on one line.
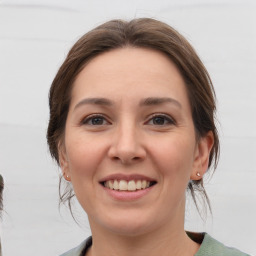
[[198, 174]]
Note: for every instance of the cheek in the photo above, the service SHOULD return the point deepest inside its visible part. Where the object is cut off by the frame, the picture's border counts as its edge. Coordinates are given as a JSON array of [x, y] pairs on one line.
[[174, 156], [83, 155]]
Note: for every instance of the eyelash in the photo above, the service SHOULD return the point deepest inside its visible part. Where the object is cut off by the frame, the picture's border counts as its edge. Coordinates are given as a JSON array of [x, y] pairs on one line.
[[166, 118], [170, 120], [85, 121]]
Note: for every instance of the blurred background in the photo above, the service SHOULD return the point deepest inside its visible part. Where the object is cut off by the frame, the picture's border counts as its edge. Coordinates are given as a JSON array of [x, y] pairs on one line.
[[35, 36]]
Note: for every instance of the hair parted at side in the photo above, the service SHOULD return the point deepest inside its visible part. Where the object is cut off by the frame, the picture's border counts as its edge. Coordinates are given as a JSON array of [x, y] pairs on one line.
[[141, 33]]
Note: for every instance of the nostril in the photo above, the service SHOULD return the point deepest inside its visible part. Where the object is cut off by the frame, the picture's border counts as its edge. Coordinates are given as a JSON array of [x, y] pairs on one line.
[[126, 159]]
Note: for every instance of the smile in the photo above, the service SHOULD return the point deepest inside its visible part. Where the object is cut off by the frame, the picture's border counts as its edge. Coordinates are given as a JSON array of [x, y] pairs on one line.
[[131, 185]]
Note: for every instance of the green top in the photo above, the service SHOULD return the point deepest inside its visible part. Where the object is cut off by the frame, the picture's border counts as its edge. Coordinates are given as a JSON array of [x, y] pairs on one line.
[[208, 247], [212, 247]]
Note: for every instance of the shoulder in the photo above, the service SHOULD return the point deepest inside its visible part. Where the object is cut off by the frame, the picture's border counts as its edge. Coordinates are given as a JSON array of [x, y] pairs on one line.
[[212, 247], [80, 250]]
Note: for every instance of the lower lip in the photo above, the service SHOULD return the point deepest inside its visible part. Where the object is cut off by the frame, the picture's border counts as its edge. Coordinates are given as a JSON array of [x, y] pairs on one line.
[[128, 195]]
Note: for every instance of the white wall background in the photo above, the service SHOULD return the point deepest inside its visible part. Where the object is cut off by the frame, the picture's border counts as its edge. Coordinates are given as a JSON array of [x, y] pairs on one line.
[[36, 35]]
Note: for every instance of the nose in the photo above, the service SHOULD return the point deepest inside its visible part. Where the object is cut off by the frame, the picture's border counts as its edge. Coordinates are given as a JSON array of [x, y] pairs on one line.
[[127, 145]]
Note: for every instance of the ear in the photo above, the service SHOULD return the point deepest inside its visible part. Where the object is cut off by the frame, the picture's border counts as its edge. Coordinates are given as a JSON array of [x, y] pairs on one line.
[[202, 153], [63, 161]]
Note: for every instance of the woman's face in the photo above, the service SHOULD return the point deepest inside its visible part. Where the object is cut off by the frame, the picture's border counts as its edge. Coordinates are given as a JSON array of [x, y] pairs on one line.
[[130, 147]]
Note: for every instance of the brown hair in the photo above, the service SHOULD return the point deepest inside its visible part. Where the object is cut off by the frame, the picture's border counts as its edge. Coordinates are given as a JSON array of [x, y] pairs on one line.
[[1, 195], [142, 33]]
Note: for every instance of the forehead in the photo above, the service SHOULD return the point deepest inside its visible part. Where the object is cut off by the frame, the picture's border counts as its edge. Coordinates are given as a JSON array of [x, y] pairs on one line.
[[139, 60], [129, 72]]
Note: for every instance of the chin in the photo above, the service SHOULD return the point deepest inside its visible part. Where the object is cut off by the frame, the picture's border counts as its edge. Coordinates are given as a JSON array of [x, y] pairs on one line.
[[133, 230], [128, 224]]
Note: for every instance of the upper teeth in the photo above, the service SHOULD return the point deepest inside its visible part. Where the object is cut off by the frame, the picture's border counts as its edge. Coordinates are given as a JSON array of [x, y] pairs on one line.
[[124, 185]]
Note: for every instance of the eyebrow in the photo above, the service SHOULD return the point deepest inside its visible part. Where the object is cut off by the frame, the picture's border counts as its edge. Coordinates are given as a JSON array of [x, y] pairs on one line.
[[94, 101], [145, 102], [158, 101]]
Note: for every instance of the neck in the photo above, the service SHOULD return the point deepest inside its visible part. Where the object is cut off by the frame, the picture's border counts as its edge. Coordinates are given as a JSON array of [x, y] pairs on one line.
[[170, 239], [137, 246]]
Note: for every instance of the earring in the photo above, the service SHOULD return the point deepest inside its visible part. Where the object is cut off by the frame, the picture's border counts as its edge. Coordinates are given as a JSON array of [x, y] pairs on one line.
[[198, 174], [65, 176]]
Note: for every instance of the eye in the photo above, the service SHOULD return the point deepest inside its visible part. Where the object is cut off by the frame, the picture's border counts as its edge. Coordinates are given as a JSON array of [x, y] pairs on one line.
[[161, 120], [95, 120]]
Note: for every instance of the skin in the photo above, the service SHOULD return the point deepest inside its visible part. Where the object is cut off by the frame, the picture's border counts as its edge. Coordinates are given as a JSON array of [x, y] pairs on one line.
[[156, 140]]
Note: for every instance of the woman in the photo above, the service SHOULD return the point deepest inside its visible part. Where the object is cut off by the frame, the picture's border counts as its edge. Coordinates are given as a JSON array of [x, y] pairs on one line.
[[132, 128]]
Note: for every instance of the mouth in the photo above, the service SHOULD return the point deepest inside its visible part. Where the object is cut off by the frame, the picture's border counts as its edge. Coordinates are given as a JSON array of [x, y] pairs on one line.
[[127, 185]]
